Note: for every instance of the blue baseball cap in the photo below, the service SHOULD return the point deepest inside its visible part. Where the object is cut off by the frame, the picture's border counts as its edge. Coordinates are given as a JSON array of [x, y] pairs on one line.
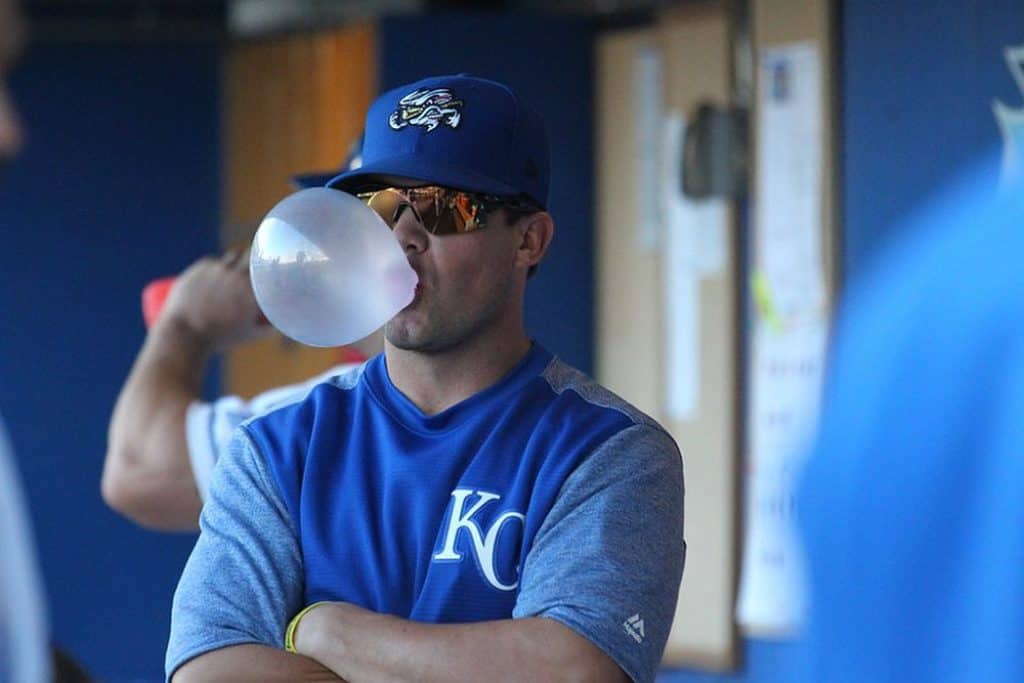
[[460, 131]]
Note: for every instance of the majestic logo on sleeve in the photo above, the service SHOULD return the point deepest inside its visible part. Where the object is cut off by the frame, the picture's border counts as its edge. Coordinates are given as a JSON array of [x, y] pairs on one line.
[[484, 542], [427, 107], [635, 628]]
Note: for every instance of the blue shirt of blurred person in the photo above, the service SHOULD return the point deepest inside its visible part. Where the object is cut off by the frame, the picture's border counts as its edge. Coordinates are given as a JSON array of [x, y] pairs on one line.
[[912, 503]]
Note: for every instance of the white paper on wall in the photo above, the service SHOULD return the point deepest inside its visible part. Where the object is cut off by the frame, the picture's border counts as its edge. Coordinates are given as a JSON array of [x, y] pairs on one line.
[[788, 347], [787, 369], [648, 99], [788, 206], [694, 247], [679, 281]]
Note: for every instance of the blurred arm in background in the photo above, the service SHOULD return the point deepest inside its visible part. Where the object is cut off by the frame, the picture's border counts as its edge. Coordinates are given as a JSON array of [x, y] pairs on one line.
[[148, 474], [164, 440]]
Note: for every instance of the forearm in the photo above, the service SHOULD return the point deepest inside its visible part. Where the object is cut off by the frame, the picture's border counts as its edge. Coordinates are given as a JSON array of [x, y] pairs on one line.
[[257, 663], [360, 645], [147, 474]]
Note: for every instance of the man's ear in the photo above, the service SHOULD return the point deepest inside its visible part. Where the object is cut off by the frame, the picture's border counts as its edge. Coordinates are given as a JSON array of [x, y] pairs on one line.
[[538, 229]]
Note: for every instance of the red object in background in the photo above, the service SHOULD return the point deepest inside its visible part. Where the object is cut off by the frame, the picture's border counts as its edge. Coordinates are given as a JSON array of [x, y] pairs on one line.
[[350, 354], [153, 297]]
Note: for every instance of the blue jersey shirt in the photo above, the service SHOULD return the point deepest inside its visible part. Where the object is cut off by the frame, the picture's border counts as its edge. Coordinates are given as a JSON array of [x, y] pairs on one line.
[[544, 495], [426, 517]]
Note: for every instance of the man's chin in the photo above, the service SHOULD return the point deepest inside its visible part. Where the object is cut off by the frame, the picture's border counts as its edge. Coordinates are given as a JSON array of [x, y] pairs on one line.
[[415, 339], [401, 334]]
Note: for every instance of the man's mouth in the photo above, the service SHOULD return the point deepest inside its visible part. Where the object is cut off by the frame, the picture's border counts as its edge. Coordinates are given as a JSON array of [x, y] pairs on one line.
[[417, 294]]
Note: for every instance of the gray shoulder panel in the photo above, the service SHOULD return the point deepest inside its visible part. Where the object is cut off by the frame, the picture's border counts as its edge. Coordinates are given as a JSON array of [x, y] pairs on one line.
[[563, 377]]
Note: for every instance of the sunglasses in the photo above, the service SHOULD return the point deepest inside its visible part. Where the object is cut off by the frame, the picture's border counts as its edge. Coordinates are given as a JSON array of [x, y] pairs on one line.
[[440, 210]]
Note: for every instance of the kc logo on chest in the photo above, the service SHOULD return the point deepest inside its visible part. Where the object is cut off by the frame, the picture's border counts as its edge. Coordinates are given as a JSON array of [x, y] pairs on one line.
[[463, 511]]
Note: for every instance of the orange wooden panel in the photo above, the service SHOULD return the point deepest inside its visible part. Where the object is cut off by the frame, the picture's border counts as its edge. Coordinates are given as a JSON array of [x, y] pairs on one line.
[[346, 85], [292, 104]]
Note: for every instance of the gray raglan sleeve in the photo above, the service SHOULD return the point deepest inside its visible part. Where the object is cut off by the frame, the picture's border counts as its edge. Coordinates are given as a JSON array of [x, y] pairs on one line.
[[244, 578], [608, 560]]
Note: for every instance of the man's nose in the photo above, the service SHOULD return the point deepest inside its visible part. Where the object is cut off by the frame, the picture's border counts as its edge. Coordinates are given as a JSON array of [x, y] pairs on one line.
[[409, 231], [11, 136]]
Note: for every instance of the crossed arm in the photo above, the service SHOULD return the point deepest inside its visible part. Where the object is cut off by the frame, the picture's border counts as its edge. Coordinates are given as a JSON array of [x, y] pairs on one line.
[[339, 641], [251, 662], [335, 641]]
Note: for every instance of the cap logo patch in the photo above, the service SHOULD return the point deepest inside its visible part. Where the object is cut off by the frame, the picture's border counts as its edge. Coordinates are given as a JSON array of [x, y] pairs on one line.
[[427, 107]]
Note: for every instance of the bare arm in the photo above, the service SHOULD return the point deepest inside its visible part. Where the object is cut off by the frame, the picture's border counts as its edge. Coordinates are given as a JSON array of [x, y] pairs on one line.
[[257, 663], [359, 645], [147, 475]]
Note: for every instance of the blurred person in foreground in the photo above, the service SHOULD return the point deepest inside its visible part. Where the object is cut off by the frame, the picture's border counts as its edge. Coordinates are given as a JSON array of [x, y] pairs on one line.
[[912, 503], [464, 506], [25, 652], [24, 649], [164, 439]]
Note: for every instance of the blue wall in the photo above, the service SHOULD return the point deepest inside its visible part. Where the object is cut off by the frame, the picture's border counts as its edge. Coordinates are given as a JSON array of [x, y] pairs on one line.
[[919, 79], [549, 62], [119, 184]]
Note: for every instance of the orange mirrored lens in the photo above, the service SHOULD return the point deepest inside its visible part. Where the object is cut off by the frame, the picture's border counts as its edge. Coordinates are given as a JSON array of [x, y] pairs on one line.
[[386, 203], [440, 210]]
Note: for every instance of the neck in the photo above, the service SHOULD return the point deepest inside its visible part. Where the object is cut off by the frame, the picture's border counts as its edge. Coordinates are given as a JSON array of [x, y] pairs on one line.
[[435, 381]]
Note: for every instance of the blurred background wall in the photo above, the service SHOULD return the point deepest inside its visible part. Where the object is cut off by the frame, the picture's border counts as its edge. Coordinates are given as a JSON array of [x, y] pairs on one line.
[[131, 172], [120, 182], [919, 84]]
